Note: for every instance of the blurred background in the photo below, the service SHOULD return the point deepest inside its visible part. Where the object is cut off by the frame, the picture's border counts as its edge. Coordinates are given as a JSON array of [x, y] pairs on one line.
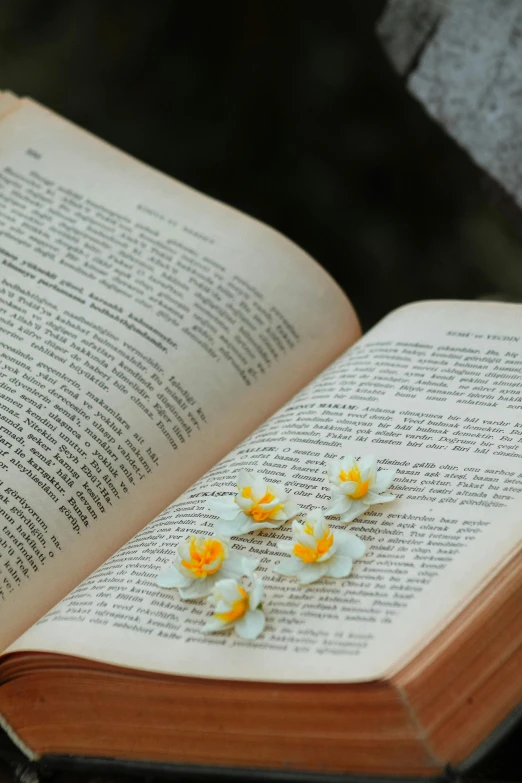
[[288, 111]]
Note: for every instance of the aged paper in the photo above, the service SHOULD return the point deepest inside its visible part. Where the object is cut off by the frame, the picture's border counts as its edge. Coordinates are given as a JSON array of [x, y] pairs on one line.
[[435, 392], [144, 331]]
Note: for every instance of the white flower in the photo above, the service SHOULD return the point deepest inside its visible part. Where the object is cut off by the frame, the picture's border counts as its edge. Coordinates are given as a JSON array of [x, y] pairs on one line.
[[316, 551], [357, 486], [256, 506], [237, 608], [200, 563]]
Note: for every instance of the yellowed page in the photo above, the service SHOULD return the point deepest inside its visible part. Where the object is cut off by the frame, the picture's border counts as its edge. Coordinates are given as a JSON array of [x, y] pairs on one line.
[[8, 102], [144, 331], [435, 392]]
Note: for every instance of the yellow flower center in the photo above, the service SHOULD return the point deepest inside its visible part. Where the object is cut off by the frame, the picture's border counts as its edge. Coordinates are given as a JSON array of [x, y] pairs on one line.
[[257, 513], [239, 608], [202, 554], [307, 553], [354, 474]]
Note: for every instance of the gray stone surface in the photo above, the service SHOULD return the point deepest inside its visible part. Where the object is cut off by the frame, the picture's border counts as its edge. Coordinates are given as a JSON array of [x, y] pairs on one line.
[[467, 57], [406, 26]]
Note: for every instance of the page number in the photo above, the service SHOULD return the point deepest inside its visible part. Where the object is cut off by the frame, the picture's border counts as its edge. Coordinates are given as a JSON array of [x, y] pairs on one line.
[[33, 153]]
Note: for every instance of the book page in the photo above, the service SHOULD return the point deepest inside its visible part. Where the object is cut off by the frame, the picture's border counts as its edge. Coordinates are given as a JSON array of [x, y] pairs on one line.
[[435, 392], [8, 102], [144, 331]]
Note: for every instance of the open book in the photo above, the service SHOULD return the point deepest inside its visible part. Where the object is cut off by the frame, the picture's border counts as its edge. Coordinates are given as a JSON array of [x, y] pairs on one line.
[[154, 342]]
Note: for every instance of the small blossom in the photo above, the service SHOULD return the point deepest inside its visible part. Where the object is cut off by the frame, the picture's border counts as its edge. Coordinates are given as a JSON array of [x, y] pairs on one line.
[[256, 506], [237, 608], [316, 551], [357, 485], [200, 563]]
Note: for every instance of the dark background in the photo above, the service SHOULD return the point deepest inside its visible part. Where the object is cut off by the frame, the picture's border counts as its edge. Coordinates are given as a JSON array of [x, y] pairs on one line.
[[288, 111]]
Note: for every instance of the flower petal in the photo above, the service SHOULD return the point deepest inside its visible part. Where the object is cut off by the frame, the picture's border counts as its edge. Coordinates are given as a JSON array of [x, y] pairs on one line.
[[235, 527], [339, 505], [214, 566], [311, 572], [258, 488], [237, 566], [357, 508], [229, 590], [198, 588], [333, 470], [251, 624], [278, 490], [348, 462], [376, 499], [183, 550], [288, 566], [339, 566], [269, 506], [184, 571], [330, 552], [256, 593], [268, 524], [172, 578], [348, 487], [320, 526], [225, 508], [368, 468], [244, 504], [249, 565], [314, 516], [350, 545], [281, 515], [291, 508], [296, 527], [382, 481], [222, 607], [305, 539], [244, 479], [215, 624]]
